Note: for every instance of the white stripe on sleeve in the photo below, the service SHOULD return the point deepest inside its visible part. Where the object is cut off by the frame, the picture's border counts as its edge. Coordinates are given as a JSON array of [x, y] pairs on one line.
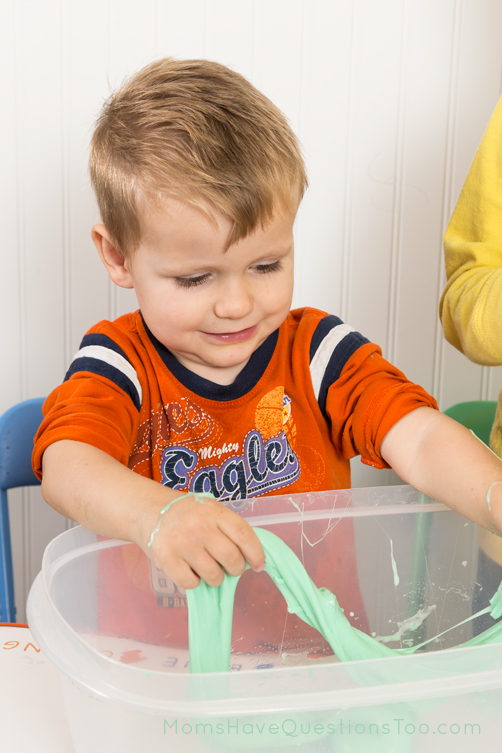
[[324, 352], [113, 359]]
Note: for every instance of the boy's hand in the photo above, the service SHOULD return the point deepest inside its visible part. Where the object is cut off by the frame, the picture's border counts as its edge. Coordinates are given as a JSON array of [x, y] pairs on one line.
[[201, 539], [195, 539]]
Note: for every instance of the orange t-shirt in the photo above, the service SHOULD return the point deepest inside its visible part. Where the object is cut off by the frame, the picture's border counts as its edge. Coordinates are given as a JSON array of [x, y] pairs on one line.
[[315, 394]]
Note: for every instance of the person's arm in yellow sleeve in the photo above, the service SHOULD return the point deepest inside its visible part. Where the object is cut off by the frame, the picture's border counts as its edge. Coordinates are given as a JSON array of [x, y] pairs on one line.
[[471, 305]]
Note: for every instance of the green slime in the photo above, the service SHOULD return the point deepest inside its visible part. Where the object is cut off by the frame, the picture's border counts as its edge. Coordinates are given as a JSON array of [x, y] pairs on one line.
[[210, 612]]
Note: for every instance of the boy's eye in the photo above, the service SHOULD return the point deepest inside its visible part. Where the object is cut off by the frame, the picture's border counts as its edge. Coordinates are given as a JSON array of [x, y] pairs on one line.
[[274, 266], [191, 282]]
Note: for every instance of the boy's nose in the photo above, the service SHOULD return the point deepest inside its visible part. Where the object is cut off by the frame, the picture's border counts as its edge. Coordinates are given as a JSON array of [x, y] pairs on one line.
[[235, 301]]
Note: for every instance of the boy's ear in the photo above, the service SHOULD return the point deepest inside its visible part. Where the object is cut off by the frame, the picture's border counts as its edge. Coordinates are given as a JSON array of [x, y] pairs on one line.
[[114, 261]]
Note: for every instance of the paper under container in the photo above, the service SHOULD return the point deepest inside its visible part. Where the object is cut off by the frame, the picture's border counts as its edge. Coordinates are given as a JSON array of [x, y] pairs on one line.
[[417, 565]]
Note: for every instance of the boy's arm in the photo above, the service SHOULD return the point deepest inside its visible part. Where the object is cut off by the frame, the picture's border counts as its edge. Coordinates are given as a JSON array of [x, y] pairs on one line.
[[194, 539], [445, 460]]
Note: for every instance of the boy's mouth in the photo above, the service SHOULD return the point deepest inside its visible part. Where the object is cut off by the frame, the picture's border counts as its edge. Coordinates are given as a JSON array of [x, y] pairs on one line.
[[232, 337]]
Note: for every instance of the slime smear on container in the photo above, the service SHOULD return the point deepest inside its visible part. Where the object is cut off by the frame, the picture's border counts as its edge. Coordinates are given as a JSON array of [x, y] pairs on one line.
[[210, 612], [393, 563], [411, 623]]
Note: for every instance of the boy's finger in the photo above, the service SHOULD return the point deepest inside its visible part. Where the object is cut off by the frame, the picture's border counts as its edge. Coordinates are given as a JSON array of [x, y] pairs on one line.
[[226, 553], [207, 568], [182, 574], [241, 533]]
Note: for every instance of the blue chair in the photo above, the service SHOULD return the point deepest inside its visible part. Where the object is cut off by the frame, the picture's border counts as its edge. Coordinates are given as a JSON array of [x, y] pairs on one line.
[[18, 426]]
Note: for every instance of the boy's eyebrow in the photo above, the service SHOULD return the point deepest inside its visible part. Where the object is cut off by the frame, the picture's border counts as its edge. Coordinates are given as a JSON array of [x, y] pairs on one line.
[[278, 251]]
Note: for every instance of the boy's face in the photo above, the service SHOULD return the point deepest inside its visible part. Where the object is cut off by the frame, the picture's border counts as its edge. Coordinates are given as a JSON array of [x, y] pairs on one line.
[[210, 307]]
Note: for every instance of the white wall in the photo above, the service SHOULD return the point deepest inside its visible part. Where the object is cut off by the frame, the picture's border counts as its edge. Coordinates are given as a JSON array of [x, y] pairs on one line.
[[389, 99]]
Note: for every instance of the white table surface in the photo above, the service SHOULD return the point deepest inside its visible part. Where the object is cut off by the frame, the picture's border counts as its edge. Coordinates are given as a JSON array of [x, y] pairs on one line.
[[33, 718]]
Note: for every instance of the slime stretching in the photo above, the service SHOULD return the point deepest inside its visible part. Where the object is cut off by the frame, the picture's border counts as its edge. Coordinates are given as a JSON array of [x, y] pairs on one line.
[[210, 612]]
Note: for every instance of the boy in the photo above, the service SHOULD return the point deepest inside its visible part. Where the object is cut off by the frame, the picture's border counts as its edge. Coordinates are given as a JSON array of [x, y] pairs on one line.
[[215, 386]]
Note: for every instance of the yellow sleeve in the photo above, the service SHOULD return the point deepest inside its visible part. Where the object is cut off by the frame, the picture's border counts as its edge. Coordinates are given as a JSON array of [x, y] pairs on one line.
[[471, 305]]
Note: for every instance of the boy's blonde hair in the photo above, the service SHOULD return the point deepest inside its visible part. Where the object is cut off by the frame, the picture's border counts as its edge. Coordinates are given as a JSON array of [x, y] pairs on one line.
[[198, 132]]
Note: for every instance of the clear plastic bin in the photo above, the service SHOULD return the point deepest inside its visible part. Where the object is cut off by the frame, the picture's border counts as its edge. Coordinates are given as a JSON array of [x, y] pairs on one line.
[[413, 569]]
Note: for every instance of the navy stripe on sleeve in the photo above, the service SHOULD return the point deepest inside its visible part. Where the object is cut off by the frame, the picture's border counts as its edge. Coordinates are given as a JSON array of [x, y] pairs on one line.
[[100, 355], [333, 343]]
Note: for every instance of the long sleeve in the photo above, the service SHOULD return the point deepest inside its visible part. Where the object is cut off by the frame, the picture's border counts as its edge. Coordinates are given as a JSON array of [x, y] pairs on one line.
[[471, 305]]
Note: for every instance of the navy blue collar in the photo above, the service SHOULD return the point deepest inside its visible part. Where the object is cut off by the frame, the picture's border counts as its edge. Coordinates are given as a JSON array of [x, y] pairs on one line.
[[244, 382]]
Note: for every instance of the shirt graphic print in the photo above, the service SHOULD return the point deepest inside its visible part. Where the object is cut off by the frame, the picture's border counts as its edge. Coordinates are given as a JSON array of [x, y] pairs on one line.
[[197, 456]]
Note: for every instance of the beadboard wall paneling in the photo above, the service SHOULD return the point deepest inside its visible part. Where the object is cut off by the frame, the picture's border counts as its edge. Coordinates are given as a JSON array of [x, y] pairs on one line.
[[389, 100], [85, 83], [417, 209], [11, 253]]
